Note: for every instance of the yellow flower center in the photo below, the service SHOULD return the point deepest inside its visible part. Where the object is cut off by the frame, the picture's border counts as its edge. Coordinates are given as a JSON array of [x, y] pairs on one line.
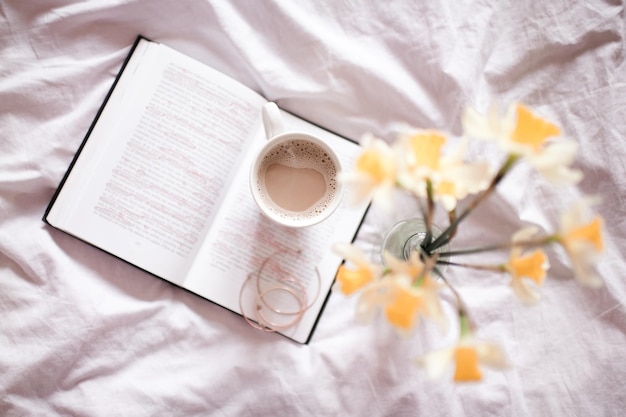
[[591, 233], [466, 359], [532, 131], [401, 312], [426, 148], [530, 266], [446, 188], [372, 163], [351, 280]]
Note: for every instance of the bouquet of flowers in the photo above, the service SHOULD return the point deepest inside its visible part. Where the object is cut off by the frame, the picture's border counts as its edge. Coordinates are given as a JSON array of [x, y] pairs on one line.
[[408, 287]]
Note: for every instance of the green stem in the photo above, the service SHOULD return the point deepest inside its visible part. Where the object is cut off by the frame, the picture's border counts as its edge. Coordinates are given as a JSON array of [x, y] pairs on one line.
[[522, 243], [430, 261], [492, 268], [465, 327], [459, 301], [447, 234], [429, 217], [452, 218]]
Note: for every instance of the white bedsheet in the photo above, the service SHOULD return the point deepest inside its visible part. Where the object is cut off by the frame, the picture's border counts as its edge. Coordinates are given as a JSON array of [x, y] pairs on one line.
[[84, 334]]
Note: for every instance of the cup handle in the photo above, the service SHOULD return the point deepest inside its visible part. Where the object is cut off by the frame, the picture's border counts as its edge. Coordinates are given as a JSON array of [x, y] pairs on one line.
[[272, 120]]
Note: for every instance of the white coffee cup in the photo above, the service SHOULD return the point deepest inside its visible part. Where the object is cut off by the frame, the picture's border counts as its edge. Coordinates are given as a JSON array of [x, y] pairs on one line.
[[294, 176]]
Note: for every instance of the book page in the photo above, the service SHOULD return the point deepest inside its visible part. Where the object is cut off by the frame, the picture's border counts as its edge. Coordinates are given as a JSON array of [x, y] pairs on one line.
[[243, 238], [150, 195], [162, 183]]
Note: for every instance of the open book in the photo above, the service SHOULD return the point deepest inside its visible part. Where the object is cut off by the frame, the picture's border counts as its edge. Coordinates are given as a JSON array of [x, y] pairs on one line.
[[161, 182]]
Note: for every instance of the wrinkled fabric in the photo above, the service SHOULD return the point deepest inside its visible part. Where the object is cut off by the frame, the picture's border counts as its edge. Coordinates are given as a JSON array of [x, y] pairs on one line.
[[85, 334]]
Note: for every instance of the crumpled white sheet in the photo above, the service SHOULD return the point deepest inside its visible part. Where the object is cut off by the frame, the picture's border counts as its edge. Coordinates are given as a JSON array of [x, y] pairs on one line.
[[84, 334]]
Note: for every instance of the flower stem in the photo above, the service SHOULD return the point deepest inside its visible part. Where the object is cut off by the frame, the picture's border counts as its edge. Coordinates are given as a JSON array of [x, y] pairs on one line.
[[492, 268], [429, 216], [447, 234], [452, 218], [465, 327], [508, 245], [459, 301], [430, 261]]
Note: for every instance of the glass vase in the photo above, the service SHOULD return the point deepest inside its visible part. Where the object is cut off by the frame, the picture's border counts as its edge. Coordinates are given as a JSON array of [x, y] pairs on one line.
[[406, 236]]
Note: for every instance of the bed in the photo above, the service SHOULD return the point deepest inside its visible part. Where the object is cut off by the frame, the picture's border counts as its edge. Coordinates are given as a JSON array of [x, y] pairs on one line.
[[85, 334]]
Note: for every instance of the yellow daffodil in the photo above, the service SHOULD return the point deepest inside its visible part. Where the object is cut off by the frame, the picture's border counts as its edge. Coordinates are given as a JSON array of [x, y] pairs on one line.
[[359, 273], [394, 291], [424, 149], [350, 280], [402, 311], [532, 131], [521, 132], [413, 294], [375, 172], [422, 159], [466, 357], [404, 305], [526, 268], [581, 236]]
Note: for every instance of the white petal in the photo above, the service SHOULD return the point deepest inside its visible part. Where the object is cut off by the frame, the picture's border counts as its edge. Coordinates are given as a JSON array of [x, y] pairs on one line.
[[554, 161], [524, 234], [457, 154], [578, 214], [393, 262], [437, 362], [448, 202], [372, 299], [562, 152], [471, 178], [561, 175], [476, 125], [367, 140], [522, 288], [383, 197], [435, 312], [350, 252], [583, 258], [491, 355], [360, 192], [365, 311]]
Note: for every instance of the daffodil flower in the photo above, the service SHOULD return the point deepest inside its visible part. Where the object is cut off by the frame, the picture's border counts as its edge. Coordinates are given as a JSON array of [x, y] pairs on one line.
[[375, 172], [394, 291], [526, 268], [374, 298], [520, 132], [459, 179], [360, 273], [403, 309], [452, 178], [581, 236], [403, 305], [414, 294], [466, 358]]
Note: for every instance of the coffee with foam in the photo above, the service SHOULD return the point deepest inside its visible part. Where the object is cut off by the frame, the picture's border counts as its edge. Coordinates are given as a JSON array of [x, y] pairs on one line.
[[297, 180], [293, 178]]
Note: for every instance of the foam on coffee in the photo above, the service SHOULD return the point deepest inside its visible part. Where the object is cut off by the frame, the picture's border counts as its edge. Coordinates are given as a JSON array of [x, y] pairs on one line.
[[300, 154]]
